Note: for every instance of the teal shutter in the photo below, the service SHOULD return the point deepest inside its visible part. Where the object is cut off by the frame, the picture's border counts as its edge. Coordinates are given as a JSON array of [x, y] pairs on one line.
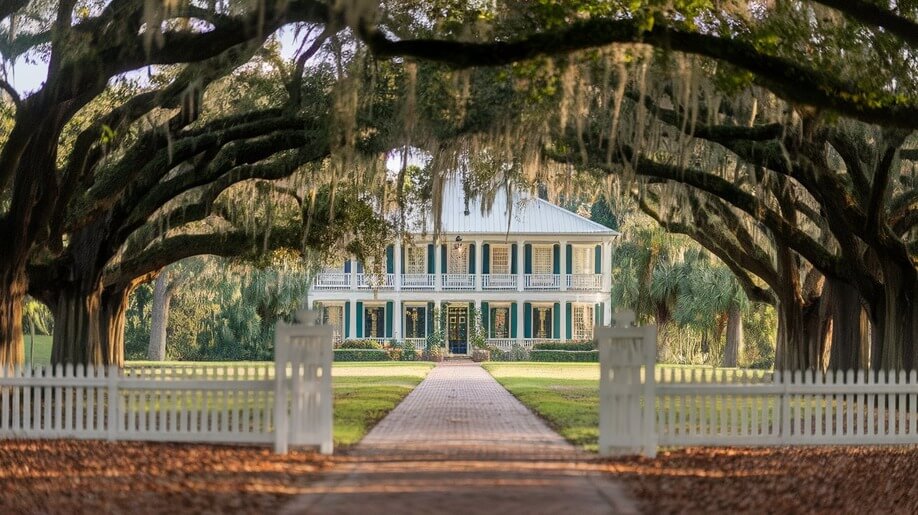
[[527, 268], [359, 320], [485, 318], [556, 258], [390, 259], [486, 259], [402, 259], [347, 266], [390, 311], [347, 319], [597, 314], [513, 316], [513, 259], [430, 318], [570, 259], [527, 320], [472, 258], [442, 259], [598, 260], [359, 267], [431, 262], [569, 311], [556, 321]]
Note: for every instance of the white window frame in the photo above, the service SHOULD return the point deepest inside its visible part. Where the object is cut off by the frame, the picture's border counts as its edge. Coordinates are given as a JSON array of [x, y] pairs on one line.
[[415, 259], [551, 320], [583, 256], [364, 315], [491, 320], [493, 263], [542, 255], [583, 319], [405, 324], [337, 325]]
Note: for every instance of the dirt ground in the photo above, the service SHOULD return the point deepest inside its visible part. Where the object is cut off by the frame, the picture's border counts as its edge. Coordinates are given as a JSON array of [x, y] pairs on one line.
[[68, 476], [834, 480]]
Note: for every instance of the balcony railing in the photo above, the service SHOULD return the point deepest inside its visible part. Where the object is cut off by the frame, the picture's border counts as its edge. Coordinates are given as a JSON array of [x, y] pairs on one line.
[[333, 281], [419, 343], [498, 281], [419, 281], [584, 281], [505, 344], [542, 281], [458, 281], [375, 281]]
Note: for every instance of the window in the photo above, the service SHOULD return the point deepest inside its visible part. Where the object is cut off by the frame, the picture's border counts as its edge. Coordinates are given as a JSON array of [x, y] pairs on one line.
[[541, 259], [374, 322], [499, 322], [457, 259], [583, 260], [542, 321], [582, 324], [500, 259], [334, 316], [415, 321], [415, 259]]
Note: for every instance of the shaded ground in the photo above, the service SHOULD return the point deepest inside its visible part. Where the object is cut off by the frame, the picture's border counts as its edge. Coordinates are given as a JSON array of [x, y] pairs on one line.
[[774, 480], [70, 476]]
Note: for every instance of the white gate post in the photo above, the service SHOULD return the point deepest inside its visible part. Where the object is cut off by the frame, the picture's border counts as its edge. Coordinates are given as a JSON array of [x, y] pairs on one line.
[[303, 401], [627, 393]]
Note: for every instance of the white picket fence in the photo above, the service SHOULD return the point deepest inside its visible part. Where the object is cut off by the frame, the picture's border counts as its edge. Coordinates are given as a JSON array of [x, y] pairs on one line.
[[244, 403], [681, 407]]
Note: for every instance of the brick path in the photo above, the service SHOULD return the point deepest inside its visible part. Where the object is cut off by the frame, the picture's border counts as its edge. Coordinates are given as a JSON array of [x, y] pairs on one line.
[[460, 443]]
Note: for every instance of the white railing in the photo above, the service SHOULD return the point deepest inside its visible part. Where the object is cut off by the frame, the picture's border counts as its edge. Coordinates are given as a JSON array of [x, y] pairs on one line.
[[419, 343], [375, 281], [285, 402], [584, 281], [419, 281], [688, 407], [498, 281], [332, 281], [542, 281], [458, 281], [505, 344]]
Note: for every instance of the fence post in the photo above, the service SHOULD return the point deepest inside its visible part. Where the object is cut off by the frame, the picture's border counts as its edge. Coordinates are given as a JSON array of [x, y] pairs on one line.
[[650, 391], [281, 424], [784, 379], [114, 402]]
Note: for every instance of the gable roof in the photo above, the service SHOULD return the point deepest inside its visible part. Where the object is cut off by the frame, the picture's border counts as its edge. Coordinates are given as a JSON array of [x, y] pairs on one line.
[[527, 214]]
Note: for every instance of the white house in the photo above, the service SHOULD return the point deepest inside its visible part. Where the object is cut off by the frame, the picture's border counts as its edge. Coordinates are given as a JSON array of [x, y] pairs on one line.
[[534, 272]]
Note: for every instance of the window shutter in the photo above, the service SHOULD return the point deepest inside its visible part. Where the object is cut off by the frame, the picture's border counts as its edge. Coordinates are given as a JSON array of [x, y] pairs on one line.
[[430, 319], [359, 267], [527, 320], [404, 251], [597, 314], [390, 259], [431, 262], [556, 321], [570, 259], [486, 259], [513, 259], [485, 318], [347, 319], [597, 263], [556, 259], [472, 258], [527, 267], [569, 319], [390, 310], [347, 266], [359, 320], [442, 259], [513, 315]]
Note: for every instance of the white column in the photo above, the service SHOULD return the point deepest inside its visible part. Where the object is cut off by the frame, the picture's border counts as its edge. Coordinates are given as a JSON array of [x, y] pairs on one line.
[[520, 313], [438, 308], [309, 303], [606, 266], [478, 264], [397, 318], [438, 278], [520, 262], [352, 330], [563, 319], [606, 310], [353, 274], [563, 266], [480, 320], [397, 255]]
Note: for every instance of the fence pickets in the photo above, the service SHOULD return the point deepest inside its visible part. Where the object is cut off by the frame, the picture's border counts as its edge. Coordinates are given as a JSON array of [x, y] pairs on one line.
[[692, 406], [183, 403]]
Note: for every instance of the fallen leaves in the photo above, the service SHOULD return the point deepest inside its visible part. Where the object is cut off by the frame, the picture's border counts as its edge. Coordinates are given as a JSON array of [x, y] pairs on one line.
[[73, 476]]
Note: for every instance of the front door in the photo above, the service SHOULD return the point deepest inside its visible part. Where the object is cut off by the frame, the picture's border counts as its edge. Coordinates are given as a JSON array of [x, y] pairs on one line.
[[457, 329]]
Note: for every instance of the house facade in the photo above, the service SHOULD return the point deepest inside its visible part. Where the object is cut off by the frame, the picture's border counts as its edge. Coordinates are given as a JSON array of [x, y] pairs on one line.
[[526, 270]]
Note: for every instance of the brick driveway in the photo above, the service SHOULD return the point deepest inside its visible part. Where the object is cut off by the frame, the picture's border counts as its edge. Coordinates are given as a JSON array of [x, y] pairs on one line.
[[460, 443]]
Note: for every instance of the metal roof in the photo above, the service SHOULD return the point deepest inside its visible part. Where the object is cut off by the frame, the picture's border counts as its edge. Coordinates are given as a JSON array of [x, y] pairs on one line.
[[527, 215]]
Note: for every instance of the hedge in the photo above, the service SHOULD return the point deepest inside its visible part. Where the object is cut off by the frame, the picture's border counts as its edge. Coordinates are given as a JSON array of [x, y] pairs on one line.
[[360, 344], [570, 346], [555, 355], [361, 355]]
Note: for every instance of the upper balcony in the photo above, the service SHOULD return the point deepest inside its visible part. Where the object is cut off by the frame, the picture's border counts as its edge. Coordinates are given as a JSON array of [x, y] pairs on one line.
[[330, 281]]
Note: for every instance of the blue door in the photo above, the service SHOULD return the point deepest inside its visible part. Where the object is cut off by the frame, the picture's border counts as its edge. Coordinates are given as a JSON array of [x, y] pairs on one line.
[[457, 329]]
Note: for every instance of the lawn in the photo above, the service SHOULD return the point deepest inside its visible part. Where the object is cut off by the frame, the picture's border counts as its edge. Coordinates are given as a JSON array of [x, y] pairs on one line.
[[41, 350]]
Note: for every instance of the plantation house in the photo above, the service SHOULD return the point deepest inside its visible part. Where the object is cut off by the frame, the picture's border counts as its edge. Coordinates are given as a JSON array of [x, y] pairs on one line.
[[529, 273]]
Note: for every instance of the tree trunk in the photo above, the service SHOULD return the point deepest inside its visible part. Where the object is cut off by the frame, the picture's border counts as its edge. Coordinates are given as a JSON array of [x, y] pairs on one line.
[[162, 299], [13, 286], [850, 347], [733, 350], [792, 337], [899, 327], [77, 327], [114, 307]]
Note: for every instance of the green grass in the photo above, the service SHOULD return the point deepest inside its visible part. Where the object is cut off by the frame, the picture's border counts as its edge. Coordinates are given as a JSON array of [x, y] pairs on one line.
[[41, 350]]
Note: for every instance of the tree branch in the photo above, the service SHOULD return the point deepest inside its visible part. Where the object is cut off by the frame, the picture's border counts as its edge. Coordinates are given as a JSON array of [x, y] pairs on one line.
[[869, 13]]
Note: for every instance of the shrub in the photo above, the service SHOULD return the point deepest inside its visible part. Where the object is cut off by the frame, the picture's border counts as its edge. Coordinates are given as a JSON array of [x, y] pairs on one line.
[[479, 355], [360, 344], [565, 345], [394, 353], [565, 355], [408, 352], [434, 354], [498, 355], [361, 355], [518, 353]]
